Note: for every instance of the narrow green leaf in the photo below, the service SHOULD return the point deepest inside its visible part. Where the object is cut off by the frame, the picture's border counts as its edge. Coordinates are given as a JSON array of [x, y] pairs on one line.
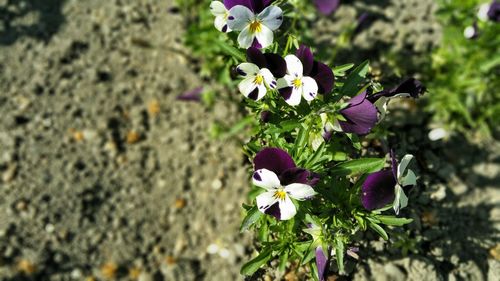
[[358, 166], [341, 69], [252, 216], [355, 78], [253, 265], [379, 230], [392, 220], [283, 260], [230, 50], [339, 254]]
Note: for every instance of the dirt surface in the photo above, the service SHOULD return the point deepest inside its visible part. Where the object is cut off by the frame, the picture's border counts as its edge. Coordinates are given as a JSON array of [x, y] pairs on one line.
[[105, 175]]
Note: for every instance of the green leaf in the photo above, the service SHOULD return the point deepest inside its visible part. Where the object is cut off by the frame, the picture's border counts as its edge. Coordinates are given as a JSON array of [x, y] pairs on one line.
[[358, 166], [283, 260], [252, 216], [284, 126], [253, 265], [230, 50], [341, 69], [355, 78], [379, 230], [339, 254], [392, 220]]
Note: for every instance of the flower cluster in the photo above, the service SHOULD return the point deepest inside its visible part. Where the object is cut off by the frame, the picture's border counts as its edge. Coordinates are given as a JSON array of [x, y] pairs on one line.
[[303, 171]]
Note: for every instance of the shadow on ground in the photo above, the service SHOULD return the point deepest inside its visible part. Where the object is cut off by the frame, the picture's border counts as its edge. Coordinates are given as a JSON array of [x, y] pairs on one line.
[[30, 18]]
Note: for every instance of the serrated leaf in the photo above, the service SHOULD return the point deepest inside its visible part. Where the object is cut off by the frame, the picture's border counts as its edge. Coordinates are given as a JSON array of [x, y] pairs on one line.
[[252, 216], [358, 166], [254, 264]]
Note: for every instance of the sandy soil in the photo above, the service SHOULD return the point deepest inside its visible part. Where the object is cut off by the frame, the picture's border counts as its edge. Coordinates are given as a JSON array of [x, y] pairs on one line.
[[106, 176]]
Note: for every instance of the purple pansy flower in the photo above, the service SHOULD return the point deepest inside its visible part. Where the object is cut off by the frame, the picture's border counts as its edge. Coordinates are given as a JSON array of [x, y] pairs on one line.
[[360, 114], [380, 188], [326, 7], [322, 262], [489, 11], [305, 77], [276, 172], [256, 20]]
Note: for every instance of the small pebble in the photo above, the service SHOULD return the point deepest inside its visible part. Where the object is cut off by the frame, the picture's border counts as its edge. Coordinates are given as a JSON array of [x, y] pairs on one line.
[[133, 137], [216, 184], [180, 203], [213, 248]]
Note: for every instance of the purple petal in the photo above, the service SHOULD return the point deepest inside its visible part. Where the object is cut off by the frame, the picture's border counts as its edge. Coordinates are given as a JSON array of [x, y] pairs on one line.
[[378, 190], [361, 116], [321, 263], [298, 175], [410, 86], [327, 134], [286, 92], [273, 159], [306, 57], [276, 64], [394, 164], [231, 3], [265, 116], [256, 57], [326, 7], [274, 210], [256, 44], [192, 95], [494, 11], [323, 76]]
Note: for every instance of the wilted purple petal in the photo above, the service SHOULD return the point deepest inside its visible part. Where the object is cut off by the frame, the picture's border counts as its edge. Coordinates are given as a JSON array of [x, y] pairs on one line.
[[326, 7], [378, 190], [276, 64], [273, 159], [323, 76], [494, 11], [361, 116], [321, 263], [298, 175], [192, 95], [306, 57], [274, 210], [410, 86]]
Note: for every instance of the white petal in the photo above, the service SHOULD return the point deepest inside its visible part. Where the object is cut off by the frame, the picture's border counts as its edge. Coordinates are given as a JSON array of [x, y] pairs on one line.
[[265, 200], [266, 179], [262, 91], [217, 8], [309, 88], [482, 14], [239, 17], [295, 97], [247, 86], [400, 200], [287, 209], [265, 36], [381, 105], [245, 38], [409, 179], [272, 17], [247, 69], [300, 191], [294, 66], [268, 78], [219, 23], [404, 164]]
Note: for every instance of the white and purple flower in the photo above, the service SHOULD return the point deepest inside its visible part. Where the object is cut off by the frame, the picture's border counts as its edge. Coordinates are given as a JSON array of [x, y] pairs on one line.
[[305, 77], [380, 188], [489, 11], [256, 19], [259, 73], [276, 172], [221, 13]]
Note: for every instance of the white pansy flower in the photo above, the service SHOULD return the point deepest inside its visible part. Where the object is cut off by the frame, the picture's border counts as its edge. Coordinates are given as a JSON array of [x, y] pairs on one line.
[[256, 80], [405, 177], [295, 85], [221, 15]]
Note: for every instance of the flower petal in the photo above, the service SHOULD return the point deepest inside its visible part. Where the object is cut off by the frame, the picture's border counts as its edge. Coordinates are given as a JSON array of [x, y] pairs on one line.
[[326, 7], [299, 175], [321, 263], [410, 179], [239, 17], [231, 3], [247, 86], [403, 165], [265, 200], [268, 78], [400, 199], [272, 17], [300, 191], [245, 38], [287, 209], [294, 66], [361, 116], [217, 8], [378, 190], [410, 86], [294, 97], [266, 179], [306, 57], [324, 77], [274, 159], [309, 88], [254, 55], [276, 64], [247, 69], [265, 36]]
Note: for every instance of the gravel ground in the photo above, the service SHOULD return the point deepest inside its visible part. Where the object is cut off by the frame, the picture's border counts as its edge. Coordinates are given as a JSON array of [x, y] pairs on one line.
[[104, 175]]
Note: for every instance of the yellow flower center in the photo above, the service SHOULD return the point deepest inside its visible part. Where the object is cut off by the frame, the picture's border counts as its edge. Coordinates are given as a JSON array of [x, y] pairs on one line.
[[258, 79], [296, 83], [280, 194], [255, 26]]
